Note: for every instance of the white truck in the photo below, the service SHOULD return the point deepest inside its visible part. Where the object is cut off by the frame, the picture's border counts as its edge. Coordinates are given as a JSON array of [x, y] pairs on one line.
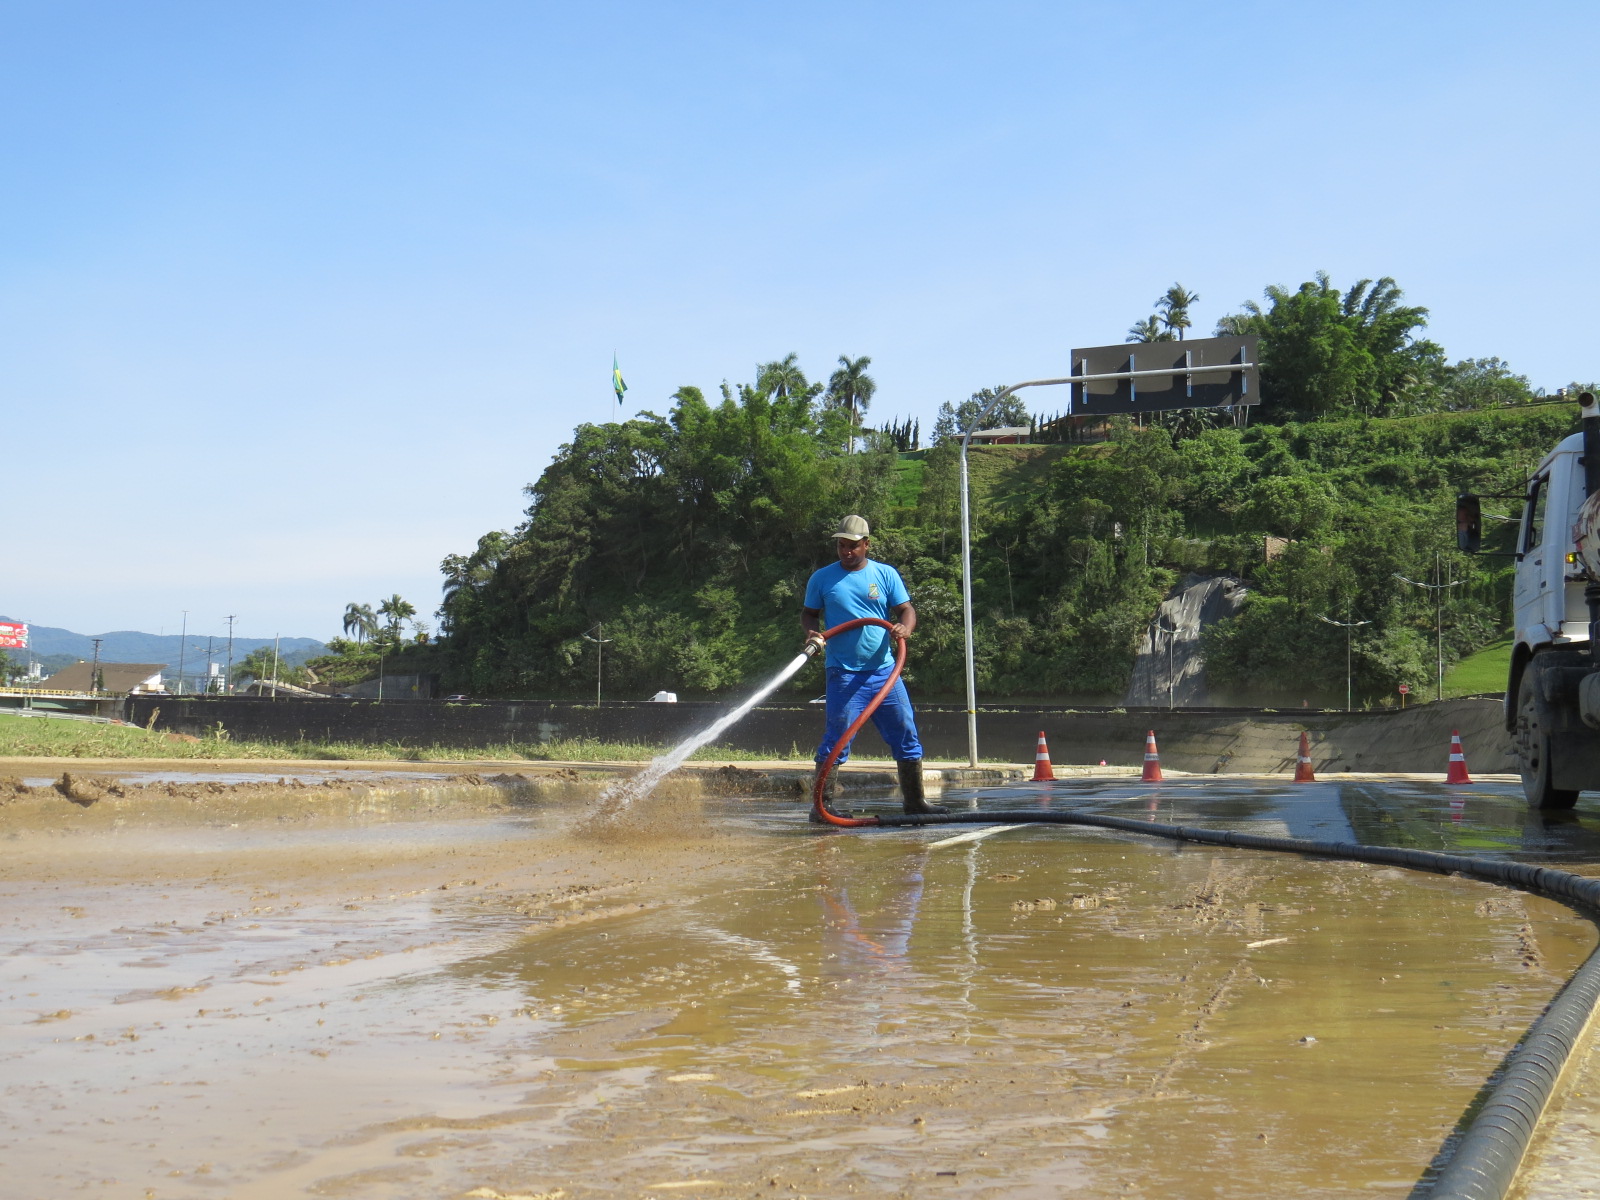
[[1552, 704]]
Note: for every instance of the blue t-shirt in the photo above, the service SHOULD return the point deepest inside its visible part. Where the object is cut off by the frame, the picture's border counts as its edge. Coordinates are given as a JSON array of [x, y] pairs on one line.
[[842, 595]]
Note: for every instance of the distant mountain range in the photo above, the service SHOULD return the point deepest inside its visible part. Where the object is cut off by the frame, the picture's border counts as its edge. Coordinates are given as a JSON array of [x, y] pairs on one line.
[[57, 648]]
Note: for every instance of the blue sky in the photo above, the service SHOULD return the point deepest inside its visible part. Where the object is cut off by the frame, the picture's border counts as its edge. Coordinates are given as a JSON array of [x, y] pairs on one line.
[[296, 297]]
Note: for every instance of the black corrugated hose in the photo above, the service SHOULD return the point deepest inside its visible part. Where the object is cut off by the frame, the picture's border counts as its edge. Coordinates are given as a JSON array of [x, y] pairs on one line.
[[1486, 1159]]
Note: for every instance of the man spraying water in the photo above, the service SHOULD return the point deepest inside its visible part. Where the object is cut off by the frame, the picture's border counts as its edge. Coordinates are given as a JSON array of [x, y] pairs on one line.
[[859, 660]]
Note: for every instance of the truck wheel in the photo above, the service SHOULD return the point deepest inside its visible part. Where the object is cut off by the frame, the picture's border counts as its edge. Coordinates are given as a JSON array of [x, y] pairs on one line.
[[1530, 741]]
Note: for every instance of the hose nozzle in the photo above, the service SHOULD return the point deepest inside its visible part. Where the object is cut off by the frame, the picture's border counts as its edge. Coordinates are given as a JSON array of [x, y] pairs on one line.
[[813, 643]]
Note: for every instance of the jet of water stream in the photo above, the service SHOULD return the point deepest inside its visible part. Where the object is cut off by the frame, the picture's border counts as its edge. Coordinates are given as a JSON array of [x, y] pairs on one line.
[[620, 795]]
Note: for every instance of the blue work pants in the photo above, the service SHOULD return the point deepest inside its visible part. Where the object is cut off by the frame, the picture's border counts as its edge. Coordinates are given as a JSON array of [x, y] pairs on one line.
[[851, 691]]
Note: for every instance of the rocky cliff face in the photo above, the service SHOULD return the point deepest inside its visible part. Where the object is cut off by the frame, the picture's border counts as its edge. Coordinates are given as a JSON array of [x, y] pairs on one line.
[[1170, 667]]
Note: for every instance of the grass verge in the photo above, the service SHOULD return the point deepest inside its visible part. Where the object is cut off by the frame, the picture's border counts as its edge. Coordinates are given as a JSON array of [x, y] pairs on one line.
[[1482, 672], [40, 737]]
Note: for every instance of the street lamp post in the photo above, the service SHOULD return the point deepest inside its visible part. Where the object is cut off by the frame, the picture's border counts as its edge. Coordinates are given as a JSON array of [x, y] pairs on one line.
[[183, 639], [966, 510], [599, 639], [1438, 589], [966, 556], [1347, 626], [227, 680]]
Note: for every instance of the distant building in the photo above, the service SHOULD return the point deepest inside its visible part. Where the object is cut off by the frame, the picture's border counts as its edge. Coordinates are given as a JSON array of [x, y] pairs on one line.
[[1006, 435], [119, 679]]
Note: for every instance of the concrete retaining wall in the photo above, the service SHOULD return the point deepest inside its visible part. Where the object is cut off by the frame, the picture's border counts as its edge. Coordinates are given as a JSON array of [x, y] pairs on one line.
[[1216, 741]]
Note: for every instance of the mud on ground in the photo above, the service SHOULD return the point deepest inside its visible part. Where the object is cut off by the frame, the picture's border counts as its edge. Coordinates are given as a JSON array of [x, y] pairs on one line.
[[382, 989]]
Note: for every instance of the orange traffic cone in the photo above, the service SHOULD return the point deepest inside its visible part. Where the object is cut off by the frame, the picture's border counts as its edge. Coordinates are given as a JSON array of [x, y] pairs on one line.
[[1152, 760], [1457, 772], [1302, 764], [1042, 770]]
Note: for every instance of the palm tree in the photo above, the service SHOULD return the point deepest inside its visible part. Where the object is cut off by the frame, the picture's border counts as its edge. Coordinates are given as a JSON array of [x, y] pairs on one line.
[[1190, 422], [1174, 307], [850, 387], [398, 611], [781, 379], [360, 620], [1148, 330]]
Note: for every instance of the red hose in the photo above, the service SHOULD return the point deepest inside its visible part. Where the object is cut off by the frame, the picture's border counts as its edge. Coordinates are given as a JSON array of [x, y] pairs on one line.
[[818, 805]]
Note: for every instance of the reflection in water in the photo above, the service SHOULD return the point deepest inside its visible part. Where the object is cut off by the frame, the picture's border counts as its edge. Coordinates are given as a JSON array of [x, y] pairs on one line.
[[1559, 837], [873, 939]]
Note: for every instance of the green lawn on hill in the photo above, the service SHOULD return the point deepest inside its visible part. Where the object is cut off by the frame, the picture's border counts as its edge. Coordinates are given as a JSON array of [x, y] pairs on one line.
[[1482, 672]]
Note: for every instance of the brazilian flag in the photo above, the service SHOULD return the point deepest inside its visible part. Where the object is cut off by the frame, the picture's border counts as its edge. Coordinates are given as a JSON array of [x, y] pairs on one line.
[[617, 385]]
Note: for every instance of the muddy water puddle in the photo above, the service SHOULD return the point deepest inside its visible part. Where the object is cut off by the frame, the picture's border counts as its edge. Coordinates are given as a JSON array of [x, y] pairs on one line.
[[481, 1003], [1486, 819]]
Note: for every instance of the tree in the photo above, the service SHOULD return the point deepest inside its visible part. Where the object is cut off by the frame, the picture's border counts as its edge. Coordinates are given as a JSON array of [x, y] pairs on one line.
[[1148, 330], [360, 620], [259, 664], [1323, 352], [398, 611], [903, 435], [851, 388], [783, 378], [466, 577], [1482, 383], [689, 534], [953, 419], [1173, 308], [1188, 422]]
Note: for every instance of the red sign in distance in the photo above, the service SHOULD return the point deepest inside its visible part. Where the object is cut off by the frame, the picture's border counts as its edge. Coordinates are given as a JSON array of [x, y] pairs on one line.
[[1405, 689], [13, 635]]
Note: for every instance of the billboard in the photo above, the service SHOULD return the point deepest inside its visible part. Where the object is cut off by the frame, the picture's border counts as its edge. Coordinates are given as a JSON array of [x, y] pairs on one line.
[[13, 635], [1190, 374]]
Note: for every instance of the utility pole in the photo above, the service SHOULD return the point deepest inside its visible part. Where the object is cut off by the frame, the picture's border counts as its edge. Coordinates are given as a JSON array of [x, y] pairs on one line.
[[1438, 588], [1172, 635], [275, 639], [600, 639], [209, 665], [94, 671], [183, 644], [1347, 626], [227, 680]]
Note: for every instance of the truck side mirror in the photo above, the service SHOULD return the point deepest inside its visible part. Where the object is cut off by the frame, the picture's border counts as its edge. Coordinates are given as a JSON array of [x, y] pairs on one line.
[[1469, 523]]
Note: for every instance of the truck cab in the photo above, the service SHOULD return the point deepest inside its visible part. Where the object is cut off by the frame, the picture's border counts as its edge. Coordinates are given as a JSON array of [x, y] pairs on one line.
[[1552, 703], [1548, 596]]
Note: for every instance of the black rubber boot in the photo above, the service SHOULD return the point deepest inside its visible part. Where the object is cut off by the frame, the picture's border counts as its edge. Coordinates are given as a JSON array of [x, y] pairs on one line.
[[912, 799], [830, 793]]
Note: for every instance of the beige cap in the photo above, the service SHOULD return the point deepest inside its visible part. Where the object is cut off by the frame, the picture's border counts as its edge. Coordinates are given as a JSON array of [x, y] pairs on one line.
[[853, 529]]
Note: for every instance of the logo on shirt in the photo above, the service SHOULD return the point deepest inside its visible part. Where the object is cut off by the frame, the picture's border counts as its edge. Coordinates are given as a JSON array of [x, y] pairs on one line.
[[872, 591]]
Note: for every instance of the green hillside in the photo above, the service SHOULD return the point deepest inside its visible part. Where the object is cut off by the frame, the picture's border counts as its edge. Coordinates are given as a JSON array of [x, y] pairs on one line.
[[695, 557], [690, 535]]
